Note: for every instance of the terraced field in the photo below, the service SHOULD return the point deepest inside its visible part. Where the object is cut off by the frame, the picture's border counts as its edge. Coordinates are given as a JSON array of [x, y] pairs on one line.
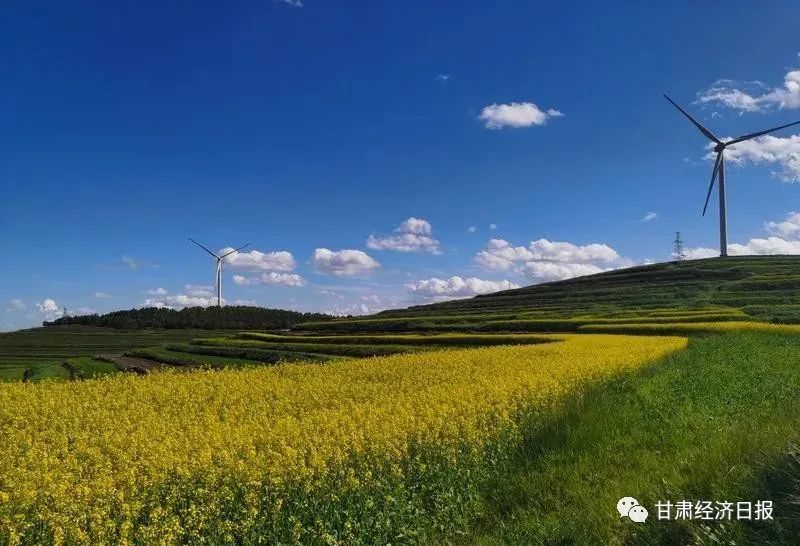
[[681, 298], [754, 288], [75, 351]]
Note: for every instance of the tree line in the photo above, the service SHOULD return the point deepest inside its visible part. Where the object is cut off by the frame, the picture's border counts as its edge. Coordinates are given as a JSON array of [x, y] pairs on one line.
[[238, 317]]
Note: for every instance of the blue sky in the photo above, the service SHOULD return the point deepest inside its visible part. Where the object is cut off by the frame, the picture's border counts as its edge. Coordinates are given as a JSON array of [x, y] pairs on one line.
[[305, 128]]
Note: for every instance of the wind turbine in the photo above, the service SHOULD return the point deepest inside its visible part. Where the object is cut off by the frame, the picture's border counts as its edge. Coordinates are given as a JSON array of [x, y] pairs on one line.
[[218, 276], [719, 168]]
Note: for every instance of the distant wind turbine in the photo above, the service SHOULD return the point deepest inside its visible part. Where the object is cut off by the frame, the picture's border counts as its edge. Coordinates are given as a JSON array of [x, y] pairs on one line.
[[218, 276], [719, 168]]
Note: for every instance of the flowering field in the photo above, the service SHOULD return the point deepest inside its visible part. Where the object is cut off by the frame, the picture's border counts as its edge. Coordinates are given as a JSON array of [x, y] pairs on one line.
[[390, 449]]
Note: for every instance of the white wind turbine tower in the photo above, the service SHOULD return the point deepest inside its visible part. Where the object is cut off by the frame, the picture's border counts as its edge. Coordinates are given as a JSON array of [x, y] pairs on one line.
[[218, 275], [719, 169]]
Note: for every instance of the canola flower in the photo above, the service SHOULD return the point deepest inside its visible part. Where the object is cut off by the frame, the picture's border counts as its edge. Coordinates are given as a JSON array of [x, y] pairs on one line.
[[385, 449]]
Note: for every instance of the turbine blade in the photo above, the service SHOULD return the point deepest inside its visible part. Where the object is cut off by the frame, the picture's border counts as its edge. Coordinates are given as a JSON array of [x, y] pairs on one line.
[[204, 248], [760, 133], [713, 179], [696, 123], [234, 250]]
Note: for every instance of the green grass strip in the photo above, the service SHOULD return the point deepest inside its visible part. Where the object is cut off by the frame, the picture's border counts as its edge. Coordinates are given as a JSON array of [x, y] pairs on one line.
[[716, 422]]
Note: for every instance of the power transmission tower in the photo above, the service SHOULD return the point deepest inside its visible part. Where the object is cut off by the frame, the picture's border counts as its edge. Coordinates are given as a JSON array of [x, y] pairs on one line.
[[678, 250]]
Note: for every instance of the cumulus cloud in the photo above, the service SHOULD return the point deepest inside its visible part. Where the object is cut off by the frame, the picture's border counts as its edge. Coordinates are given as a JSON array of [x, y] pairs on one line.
[[492, 227], [193, 295], [102, 295], [293, 3], [544, 260], [354, 309], [435, 289], [769, 245], [649, 217], [16, 304], [784, 152], [754, 96], [552, 271], [50, 309], [500, 254], [271, 278], [788, 227], [443, 77], [700, 253], [471, 229], [785, 239], [256, 260], [516, 114], [199, 290], [413, 235], [725, 93], [343, 263]]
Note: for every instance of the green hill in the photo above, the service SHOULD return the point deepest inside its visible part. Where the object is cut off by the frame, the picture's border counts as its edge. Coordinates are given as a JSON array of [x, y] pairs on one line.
[[680, 298], [763, 288]]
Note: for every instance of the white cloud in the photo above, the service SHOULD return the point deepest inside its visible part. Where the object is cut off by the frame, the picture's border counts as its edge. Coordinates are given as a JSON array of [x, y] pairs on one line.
[[789, 227], [500, 255], [551, 271], [723, 93], [343, 263], [413, 235], [729, 93], [516, 114], [544, 260], [271, 278], [785, 240], [785, 152], [256, 260], [102, 295], [179, 301], [700, 253], [443, 77], [16, 304], [649, 216], [471, 229], [492, 227], [543, 249], [293, 3], [199, 290], [50, 309], [354, 309], [82, 311], [436, 289], [193, 296], [770, 245], [754, 247]]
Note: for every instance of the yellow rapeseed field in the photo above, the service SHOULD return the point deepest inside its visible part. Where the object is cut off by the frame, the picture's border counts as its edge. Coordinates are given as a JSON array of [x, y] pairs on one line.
[[360, 451]]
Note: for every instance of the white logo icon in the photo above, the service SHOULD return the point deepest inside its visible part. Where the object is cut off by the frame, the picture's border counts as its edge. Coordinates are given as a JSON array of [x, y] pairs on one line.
[[630, 507]]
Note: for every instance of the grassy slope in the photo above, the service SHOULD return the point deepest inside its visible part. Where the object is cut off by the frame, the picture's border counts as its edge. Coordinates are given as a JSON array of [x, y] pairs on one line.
[[716, 422], [764, 287]]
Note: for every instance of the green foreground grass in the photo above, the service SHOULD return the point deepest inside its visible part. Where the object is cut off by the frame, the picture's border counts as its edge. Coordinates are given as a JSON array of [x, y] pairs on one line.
[[717, 422]]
